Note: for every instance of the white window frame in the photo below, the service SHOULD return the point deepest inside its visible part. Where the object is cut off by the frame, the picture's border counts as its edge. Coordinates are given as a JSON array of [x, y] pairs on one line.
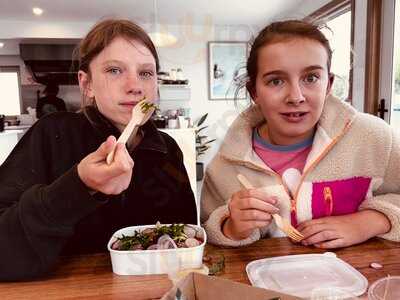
[[386, 78]]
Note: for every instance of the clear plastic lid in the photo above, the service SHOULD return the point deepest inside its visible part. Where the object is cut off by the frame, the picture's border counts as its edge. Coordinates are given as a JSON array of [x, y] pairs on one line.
[[299, 275]]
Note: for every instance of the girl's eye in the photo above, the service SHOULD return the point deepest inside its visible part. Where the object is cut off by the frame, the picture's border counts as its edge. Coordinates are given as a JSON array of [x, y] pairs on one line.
[[146, 74], [114, 71], [275, 82], [311, 78]]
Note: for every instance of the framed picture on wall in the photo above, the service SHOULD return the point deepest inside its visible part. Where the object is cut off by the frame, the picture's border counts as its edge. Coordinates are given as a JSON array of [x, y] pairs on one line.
[[227, 70]]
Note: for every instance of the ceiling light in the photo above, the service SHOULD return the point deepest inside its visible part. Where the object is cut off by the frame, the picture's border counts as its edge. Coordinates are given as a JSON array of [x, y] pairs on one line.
[[159, 38], [37, 11], [1, 45]]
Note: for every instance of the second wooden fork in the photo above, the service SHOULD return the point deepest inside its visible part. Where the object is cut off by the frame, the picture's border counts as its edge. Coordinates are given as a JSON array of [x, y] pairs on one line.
[[282, 223]]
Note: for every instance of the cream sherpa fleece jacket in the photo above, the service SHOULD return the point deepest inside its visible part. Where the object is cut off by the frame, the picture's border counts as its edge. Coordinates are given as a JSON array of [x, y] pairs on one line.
[[356, 155]]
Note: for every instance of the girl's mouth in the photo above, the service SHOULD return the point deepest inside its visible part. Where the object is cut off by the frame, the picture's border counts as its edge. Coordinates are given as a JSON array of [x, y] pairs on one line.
[[129, 105], [294, 116]]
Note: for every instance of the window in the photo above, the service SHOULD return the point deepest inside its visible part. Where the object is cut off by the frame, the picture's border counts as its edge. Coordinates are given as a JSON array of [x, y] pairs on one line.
[[10, 104], [387, 100], [339, 39], [395, 107], [337, 15]]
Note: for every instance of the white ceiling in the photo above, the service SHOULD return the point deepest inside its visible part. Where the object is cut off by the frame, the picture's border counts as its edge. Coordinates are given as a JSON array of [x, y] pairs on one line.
[[222, 12]]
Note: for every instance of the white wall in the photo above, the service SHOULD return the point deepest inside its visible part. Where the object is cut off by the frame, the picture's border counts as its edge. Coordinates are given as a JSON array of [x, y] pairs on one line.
[[191, 55]]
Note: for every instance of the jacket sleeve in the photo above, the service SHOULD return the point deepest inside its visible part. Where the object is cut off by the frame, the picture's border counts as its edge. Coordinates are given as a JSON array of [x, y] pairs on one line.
[[387, 198], [37, 212], [214, 208]]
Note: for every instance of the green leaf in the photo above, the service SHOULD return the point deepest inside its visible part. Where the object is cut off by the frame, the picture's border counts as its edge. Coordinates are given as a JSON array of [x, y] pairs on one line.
[[202, 119], [200, 129], [210, 141]]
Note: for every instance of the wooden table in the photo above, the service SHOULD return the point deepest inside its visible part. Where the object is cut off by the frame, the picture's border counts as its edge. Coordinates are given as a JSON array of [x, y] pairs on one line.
[[91, 277]]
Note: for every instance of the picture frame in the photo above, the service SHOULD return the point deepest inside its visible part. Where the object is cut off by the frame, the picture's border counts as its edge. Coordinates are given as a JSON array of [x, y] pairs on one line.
[[227, 70]]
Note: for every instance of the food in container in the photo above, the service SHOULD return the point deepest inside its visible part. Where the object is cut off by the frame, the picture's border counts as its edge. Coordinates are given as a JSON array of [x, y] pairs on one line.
[[156, 249]]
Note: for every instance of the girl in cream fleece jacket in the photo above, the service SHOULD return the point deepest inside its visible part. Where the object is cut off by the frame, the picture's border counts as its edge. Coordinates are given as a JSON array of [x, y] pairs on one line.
[[347, 189]]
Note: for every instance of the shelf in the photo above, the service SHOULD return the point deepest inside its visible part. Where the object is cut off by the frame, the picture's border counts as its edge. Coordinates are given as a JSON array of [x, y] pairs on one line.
[[174, 92]]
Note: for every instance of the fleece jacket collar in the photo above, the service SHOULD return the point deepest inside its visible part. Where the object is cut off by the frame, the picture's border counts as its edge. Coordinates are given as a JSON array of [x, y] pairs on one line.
[[336, 119]]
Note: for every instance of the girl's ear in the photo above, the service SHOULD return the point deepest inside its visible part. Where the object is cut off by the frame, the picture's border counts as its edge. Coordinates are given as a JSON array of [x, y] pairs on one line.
[[251, 89], [331, 79], [84, 84]]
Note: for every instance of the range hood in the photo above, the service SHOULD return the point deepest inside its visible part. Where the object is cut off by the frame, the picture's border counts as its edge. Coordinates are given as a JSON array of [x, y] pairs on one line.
[[50, 63]]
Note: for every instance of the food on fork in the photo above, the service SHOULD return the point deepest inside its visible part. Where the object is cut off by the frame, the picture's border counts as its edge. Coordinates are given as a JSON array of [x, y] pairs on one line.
[[140, 115], [145, 106]]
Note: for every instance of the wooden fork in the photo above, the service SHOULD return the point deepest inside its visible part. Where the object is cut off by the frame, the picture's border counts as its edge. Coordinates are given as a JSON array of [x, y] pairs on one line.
[[141, 113], [282, 223]]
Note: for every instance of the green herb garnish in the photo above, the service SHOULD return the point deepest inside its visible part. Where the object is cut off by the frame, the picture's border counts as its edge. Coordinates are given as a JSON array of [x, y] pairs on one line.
[[145, 106], [217, 266], [127, 242], [145, 239]]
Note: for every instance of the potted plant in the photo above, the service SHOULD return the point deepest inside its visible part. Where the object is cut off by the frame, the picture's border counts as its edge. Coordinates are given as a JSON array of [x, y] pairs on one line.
[[202, 145]]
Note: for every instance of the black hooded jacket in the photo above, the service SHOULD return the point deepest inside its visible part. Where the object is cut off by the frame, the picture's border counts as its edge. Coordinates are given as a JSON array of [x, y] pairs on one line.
[[46, 210]]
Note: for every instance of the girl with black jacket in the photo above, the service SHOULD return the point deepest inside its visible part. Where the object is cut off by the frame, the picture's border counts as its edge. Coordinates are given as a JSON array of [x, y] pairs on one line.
[[57, 193]]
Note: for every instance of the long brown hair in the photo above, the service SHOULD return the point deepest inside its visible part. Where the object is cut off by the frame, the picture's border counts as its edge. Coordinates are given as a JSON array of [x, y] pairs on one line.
[[277, 32], [101, 35]]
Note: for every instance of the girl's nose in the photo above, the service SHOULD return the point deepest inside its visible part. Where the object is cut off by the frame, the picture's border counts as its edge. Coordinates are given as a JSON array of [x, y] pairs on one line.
[[295, 95], [133, 85]]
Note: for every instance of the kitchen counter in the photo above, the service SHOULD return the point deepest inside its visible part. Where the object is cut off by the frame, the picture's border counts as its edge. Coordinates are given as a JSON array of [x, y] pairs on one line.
[[18, 127], [8, 140], [186, 140]]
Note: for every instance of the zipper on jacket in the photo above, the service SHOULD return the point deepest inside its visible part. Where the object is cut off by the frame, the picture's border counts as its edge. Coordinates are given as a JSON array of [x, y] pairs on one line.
[[311, 167]]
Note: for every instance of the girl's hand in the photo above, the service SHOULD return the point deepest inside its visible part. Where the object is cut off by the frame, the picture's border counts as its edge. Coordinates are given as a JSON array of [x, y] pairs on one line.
[[108, 179], [249, 209], [343, 231]]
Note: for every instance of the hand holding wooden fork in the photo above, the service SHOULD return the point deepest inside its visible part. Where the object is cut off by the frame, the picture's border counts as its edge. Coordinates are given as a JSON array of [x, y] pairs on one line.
[[282, 223], [141, 113]]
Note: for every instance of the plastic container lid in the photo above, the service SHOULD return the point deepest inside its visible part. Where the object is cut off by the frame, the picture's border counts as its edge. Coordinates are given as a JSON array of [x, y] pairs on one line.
[[387, 288], [299, 275]]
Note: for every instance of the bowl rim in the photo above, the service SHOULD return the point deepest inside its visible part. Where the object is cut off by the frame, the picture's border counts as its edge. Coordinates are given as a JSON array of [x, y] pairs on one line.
[[142, 227]]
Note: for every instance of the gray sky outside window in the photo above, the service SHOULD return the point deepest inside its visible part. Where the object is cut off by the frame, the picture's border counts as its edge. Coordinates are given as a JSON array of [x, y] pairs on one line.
[[395, 115], [340, 40]]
